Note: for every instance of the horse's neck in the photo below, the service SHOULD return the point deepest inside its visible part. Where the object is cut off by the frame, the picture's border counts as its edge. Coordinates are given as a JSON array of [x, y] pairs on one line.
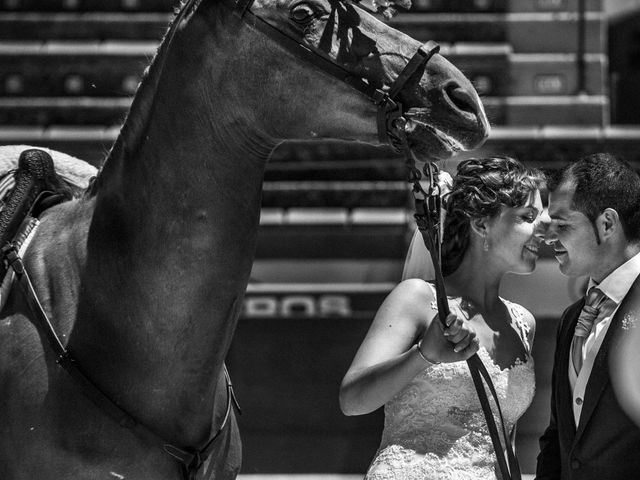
[[184, 193], [169, 254], [168, 261]]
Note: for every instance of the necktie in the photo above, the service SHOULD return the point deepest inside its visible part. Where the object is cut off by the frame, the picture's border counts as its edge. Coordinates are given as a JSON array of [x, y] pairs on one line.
[[596, 305]]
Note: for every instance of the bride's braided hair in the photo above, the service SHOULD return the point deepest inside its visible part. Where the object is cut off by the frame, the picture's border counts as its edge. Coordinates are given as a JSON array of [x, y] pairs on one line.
[[480, 188]]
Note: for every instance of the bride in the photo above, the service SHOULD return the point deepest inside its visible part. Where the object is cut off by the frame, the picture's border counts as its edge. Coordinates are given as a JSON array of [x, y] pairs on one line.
[[434, 426]]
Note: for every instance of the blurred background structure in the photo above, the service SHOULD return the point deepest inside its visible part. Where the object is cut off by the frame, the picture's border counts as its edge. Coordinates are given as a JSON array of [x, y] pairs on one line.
[[559, 79]]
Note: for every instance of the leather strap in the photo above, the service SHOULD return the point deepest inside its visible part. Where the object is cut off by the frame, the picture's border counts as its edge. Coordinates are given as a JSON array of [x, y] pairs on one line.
[[417, 62], [428, 220], [390, 120]]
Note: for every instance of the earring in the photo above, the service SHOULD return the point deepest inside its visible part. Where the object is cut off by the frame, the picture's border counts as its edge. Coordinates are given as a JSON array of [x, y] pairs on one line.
[[485, 243]]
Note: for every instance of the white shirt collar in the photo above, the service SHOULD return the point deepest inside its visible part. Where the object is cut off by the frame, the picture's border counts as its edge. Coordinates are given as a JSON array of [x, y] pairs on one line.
[[617, 284]]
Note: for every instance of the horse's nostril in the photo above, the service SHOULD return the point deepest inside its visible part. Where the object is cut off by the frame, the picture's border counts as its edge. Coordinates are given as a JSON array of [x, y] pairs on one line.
[[461, 98]]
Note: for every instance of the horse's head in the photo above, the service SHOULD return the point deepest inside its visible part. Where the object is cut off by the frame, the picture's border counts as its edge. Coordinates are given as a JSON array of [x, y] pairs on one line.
[[296, 98]]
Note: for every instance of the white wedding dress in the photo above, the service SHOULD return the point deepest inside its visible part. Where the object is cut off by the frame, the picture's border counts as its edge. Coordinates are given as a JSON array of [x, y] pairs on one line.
[[435, 429]]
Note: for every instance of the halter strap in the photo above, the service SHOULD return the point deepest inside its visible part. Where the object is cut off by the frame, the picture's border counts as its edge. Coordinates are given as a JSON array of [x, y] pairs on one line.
[[390, 120]]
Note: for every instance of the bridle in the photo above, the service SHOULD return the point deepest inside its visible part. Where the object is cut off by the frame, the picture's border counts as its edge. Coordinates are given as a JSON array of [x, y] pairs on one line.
[[390, 120]]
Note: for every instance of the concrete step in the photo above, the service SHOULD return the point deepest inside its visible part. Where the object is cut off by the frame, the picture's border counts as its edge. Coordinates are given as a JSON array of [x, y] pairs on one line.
[[526, 32], [547, 146], [460, 6], [87, 5]]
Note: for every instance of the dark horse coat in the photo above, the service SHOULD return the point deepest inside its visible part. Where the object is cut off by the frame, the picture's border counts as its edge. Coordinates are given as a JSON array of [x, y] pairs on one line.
[[606, 443]]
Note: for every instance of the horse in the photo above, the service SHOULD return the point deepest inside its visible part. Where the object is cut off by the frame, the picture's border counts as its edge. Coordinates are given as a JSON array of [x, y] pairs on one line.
[[143, 276]]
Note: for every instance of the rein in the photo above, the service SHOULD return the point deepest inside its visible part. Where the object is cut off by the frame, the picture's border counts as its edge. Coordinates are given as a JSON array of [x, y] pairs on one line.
[[36, 189], [428, 218]]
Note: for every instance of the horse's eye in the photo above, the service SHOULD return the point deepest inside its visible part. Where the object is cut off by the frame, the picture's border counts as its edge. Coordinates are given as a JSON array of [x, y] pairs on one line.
[[302, 13]]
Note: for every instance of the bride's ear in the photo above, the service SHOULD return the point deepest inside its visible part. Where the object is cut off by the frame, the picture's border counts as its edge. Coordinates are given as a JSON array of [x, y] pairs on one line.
[[479, 227]]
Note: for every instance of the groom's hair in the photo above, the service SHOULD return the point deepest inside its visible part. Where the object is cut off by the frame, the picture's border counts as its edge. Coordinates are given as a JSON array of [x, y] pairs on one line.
[[603, 181]]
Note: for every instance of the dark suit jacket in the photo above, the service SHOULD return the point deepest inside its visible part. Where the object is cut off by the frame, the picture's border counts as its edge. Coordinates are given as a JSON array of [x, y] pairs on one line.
[[606, 443]]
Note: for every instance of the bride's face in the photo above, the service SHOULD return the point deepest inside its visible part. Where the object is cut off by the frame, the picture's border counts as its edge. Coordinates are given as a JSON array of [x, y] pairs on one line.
[[515, 235]]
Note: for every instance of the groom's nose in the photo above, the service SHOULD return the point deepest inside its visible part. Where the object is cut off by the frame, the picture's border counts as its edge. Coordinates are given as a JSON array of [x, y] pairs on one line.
[[550, 236], [543, 225]]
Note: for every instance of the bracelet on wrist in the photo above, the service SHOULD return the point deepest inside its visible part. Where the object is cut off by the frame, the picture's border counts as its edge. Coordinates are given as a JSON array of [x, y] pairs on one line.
[[424, 357]]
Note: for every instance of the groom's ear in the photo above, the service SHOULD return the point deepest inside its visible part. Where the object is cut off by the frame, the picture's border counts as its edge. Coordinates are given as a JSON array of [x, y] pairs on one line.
[[608, 224]]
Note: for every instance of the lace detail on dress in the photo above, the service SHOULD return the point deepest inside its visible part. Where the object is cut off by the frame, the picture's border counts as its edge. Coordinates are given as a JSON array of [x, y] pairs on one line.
[[435, 429]]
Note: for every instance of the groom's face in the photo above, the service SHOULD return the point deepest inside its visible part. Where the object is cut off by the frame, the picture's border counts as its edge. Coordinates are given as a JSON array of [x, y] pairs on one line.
[[571, 234]]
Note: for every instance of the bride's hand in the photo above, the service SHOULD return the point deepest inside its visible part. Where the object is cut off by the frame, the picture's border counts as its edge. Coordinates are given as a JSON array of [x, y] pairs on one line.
[[454, 343]]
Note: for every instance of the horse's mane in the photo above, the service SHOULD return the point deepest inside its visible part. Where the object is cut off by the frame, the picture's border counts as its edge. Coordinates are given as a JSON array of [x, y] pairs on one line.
[[137, 119]]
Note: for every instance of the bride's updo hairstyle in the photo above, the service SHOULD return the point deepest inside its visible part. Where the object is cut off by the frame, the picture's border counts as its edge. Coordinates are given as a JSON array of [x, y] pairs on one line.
[[481, 188]]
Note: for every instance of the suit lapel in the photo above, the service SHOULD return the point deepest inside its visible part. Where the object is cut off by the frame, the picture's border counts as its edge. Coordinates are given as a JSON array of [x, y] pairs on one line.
[[599, 377]]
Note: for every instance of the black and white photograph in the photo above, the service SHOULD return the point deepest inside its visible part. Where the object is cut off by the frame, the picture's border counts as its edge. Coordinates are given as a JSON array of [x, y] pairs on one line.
[[319, 239]]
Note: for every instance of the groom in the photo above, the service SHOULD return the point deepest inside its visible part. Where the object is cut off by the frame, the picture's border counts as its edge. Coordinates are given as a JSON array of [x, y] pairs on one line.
[[595, 232]]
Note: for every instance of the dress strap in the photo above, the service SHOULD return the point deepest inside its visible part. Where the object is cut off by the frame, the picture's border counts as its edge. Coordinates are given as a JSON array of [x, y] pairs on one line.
[[434, 302], [518, 316]]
